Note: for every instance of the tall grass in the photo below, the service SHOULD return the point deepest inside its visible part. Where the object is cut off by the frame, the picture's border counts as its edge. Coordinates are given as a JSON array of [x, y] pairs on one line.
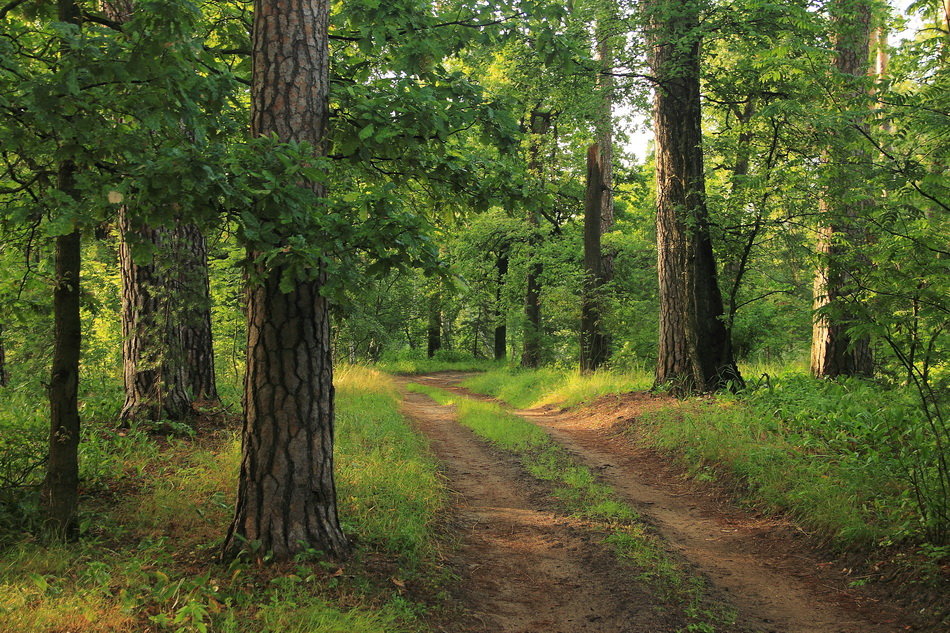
[[548, 386]]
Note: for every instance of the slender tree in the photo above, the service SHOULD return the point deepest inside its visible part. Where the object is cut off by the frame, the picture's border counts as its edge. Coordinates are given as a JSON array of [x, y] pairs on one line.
[[286, 493], [834, 352], [4, 379], [695, 351], [501, 327], [59, 495], [593, 341], [433, 323], [539, 125]]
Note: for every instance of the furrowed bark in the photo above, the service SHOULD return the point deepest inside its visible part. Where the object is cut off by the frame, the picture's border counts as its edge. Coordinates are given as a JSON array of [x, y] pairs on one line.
[[286, 493]]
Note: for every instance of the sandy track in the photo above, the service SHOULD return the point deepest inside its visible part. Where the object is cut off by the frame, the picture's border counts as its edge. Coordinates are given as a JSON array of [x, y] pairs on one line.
[[523, 568], [774, 590]]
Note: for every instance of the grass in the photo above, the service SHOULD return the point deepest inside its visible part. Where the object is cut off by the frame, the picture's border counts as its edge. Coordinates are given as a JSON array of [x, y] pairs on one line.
[[844, 458], [579, 492], [155, 516], [835, 455], [535, 388], [416, 366]]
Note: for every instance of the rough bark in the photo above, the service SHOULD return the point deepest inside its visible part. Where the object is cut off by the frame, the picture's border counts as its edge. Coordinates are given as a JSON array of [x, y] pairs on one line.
[[501, 328], [286, 494], [594, 344], [195, 322], [59, 496], [834, 352], [531, 351], [695, 352], [153, 358]]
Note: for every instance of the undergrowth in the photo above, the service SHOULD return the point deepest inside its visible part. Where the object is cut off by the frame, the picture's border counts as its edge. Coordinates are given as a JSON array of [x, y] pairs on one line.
[[525, 388], [155, 514], [578, 490], [838, 456]]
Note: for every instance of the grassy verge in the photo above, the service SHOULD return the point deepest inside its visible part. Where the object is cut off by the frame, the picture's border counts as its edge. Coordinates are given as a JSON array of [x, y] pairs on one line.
[[535, 388], [416, 366], [840, 457], [578, 490], [154, 521], [852, 461]]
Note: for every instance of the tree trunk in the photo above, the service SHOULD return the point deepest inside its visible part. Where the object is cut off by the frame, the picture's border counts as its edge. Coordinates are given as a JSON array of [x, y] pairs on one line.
[[59, 496], [695, 352], [501, 328], [286, 493], [433, 326], [195, 325], [605, 136], [531, 354], [593, 341], [152, 353], [834, 352], [4, 379]]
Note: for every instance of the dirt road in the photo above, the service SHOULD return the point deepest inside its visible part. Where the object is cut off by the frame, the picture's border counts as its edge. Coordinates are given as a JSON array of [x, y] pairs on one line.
[[523, 568], [531, 571]]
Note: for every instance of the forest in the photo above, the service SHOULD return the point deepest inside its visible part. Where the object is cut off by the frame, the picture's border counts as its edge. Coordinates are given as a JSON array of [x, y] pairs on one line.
[[523, 316]]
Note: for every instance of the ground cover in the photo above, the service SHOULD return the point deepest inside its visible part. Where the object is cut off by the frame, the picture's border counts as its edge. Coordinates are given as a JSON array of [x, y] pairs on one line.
[[155, 516]]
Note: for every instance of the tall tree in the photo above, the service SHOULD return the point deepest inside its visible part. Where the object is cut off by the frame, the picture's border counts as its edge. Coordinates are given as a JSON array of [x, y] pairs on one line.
[[59, 495], [834, 352], [593, 339], [695, 351], [60, 492], [599, 206], [539, 124], [286, 493]]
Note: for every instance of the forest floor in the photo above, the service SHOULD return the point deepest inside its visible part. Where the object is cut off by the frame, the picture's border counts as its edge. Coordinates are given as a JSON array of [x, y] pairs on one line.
[[528, 567]]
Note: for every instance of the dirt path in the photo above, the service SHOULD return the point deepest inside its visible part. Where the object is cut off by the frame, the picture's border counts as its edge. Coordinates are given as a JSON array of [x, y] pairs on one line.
[[523, 568], [775, 586]]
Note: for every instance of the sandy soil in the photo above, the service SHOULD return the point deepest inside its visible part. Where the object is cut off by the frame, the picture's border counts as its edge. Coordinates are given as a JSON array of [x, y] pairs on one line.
[[769, 574]]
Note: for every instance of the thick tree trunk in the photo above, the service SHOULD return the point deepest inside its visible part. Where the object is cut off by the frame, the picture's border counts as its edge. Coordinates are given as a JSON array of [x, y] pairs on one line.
[[152, 353], [531, 352], [59, 496], [286, 494], [834, 352], [501, 328], [695, 352], [195, 325], [594, 344]]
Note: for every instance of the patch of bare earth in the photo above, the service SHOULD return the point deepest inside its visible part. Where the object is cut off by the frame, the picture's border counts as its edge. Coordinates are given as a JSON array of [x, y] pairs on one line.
[[524, 568], [774, 575]]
